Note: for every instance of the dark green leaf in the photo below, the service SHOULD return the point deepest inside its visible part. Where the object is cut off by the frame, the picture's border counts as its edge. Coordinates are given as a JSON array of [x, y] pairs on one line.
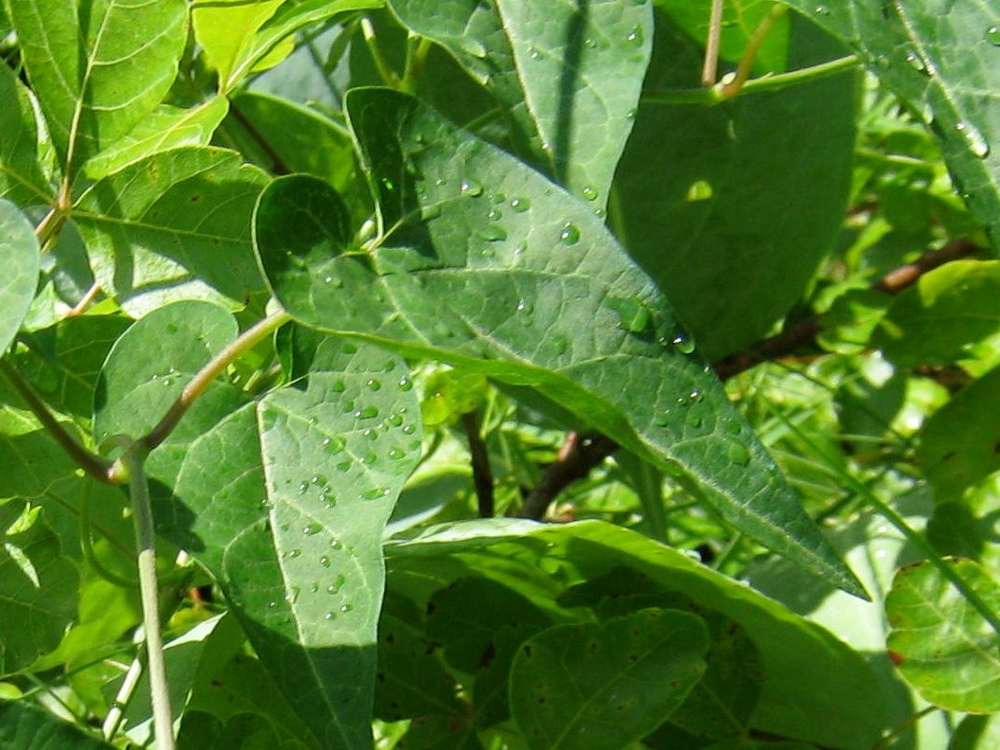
[[484, 263], [28, 727]]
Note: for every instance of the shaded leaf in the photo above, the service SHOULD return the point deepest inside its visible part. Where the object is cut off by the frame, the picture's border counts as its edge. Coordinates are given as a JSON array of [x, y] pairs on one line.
[[171, 226], [516, 282], [569, 73], [605, 685], [98, 73], [21, 178], [28, 727], [19, 257], [941, 644]]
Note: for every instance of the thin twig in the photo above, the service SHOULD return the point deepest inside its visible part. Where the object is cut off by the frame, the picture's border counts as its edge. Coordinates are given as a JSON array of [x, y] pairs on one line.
[[575, 460], [710, 69], [482, 475]]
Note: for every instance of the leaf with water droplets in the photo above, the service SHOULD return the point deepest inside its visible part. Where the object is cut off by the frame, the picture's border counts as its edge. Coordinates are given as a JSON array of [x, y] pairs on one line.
[[568, 74], [427, 289], [284, 501], [954, 85]]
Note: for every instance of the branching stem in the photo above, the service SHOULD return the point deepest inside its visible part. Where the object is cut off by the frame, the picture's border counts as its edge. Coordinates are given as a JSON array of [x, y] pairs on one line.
[[745, 65]]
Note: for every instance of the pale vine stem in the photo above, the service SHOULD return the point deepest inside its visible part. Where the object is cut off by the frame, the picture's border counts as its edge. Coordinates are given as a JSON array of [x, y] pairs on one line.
[[745, 65], [710, 69]]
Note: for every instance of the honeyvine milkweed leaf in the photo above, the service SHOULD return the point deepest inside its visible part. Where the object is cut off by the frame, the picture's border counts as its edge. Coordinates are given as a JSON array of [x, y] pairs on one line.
[[167, 127], [38, 589], [594, 686], [804, 666], [29, 727], [21, 177], [944, 317], [483, 262], [284, 501], [707, 233], [174, 225], [19, 256], [570, 73], [98, 68], [960, 443], [943, 59], [940, 643]]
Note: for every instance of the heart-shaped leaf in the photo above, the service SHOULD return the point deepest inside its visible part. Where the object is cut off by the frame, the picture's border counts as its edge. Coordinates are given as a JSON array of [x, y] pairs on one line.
[[485, 263]]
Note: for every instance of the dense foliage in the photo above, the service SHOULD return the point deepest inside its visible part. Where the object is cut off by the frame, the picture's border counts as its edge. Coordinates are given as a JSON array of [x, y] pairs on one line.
[[356, 292]]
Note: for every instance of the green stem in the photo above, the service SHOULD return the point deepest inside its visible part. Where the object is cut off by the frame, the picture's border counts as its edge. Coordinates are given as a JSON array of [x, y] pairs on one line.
[[94, 465], [246, 341], [142, 514], [417, 48], [124, 696], [770, 82], [385, 70], [710, 69], [745, 65]]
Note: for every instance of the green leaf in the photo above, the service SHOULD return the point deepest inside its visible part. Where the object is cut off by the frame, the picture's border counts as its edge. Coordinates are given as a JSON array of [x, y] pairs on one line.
[[38, 590], [289, 521], [940, 58], [960, 443], [19, 257], [944, 317], [165, 128], [806, 669], [570, 74], [21, 178], [941, 644], [29, 727], [172, 226], [602, 686], [484, 263], [708, 234], [99, 69]]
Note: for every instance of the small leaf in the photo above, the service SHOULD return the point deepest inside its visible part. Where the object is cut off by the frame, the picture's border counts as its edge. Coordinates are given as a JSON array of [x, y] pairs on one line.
[[602, 686], [19, 257], [940, 643], [98, 73], [526, 304]]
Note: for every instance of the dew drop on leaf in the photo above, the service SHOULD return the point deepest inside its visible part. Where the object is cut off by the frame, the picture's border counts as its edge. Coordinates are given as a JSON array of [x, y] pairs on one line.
[[534, 54], [324, 560], [693, 420], [312, 528], [405, 384], [491, 233], [822, 10], [394, 419], [974, 139], [683, 343], [303, 487], [916, 62], [330, 616], [344, 466], [569, 235], [993, 35], [520, 204], [633, 315], [334, 445], [409, 429], [495, 214], [472, 188], [397, 453], [346, 608], [338, 387], [635, 36], [294, 552], [369, 458], [368, 412], [738, 454], [590, 193]]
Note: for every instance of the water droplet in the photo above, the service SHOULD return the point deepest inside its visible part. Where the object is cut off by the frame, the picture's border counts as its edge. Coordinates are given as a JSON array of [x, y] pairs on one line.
[[293, 553], [303, 487], [569, 235], [471, 187], [733, 427], [633, 315], [334, 445], [375, 493], [318, 479], [916, 62], [335, 543], [534, 54], [662, 419], [473, 46], [272, 604], [387, 184], [519, 250], [330, 616], [693, 420], [338, 582], [369, 458], [344, 466], [311, 528], [589, 43], [590, 193], [368, 412], [409, 429], [314, 586], [560, 344], [822, 10], [974, 139], [397, 453], [324, 560], [635, 36], [632, 112], [695, 394], [683, 343], [520, 204], [523, 306], [338, 387], [405, 384], [292, 595], [349, 405], [738, 454], [993, 35], [491, 233], [430, 211], [345, 608], [494, 214], [699, 190]]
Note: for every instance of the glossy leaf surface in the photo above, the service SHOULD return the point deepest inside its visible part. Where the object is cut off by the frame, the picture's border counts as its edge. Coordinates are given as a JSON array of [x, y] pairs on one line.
[[522, 283]]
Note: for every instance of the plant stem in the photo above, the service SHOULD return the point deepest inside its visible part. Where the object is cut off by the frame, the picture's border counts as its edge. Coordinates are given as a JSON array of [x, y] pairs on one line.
[[417, 48], [246, 341], [770, 82], [710, 69], [482, 476], [114, 718], [142, 515], [733, 87], [385, 70], [94, 465]]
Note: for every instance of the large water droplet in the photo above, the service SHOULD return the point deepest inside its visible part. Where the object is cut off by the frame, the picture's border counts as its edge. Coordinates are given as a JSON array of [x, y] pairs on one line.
[[633, 315], [471, 187], [405, 384], [683, 343], [590, 193], [494, 214], [311, 528], [993, 35], [974, 139], [635, 36], [324, 560], [569, 235], [491, 233], [334, 445], [520, 204], [699, 190], [368, 412]]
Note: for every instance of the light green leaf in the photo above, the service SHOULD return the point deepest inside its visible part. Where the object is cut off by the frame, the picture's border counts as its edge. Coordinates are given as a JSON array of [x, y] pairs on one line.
[[284, 501], [594, 686], [165, 128], [570, 74], [97, 73], [19, 257], [941, 58], [38, 591], [28, 727], [941, 644], [944, 317], [697, 186], [21, 178], [171, 226], [484, 263], [805, 668], [960, 443]]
